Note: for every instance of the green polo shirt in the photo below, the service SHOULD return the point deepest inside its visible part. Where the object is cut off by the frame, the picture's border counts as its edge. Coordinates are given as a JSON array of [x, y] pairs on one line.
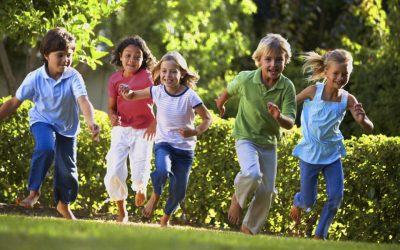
[[253, 121]]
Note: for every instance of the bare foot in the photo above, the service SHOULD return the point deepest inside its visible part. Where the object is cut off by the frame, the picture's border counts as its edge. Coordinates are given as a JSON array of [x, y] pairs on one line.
[[234, 211], [30, 200], [295, 214], [245, 230], [151, 205], [65, 210], [164, 221], [316, 237], [122, 213], [140, 198]]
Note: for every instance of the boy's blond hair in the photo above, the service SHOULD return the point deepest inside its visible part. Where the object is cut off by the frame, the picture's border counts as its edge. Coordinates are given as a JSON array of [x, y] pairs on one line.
[[272, 42]]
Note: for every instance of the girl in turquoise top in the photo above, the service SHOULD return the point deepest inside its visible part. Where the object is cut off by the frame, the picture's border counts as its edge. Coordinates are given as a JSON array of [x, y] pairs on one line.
[[321, 149]]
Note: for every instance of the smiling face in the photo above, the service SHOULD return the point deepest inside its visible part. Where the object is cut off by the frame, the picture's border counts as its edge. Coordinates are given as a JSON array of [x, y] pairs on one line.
[[272, 64], [131, 59], [337, 74], [170, 75], [58, 62]]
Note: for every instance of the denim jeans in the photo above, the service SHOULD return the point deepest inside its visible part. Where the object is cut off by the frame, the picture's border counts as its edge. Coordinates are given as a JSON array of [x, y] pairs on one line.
[[174, 164], [52, 147], [306, 198]]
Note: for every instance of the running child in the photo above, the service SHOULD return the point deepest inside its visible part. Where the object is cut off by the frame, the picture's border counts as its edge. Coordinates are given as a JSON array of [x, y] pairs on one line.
[[321, 148], [177, 104]]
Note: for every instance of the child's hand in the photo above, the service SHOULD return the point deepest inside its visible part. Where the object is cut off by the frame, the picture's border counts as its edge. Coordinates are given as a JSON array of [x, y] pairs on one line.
[[220, 107], [274, 110], [95, 129], [187, 132], [359, 111], [115, 120], [124, 91], [150, 132]]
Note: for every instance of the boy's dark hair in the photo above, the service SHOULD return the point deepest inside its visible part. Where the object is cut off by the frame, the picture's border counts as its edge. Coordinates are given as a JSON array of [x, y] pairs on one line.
[[56, 39], [148, 59]]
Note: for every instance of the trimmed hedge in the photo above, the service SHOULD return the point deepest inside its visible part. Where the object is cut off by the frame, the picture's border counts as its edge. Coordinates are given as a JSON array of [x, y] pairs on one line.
[[370, 210]]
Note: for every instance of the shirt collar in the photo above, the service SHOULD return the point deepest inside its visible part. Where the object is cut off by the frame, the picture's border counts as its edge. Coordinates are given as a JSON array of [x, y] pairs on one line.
[[278, 85], [66, 74]]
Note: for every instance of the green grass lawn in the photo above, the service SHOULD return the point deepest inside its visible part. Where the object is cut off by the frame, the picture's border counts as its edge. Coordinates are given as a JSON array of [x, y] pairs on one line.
[[19, 232]]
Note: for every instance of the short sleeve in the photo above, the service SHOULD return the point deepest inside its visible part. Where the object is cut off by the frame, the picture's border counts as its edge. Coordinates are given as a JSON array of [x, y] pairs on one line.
[[235, 86], [27, 90], [195, 99], [155, 92], [78, 86], [112, 92], [289, 106]]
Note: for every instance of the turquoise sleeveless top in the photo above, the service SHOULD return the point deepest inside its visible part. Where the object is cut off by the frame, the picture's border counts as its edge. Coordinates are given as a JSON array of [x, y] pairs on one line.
[[322, 141]]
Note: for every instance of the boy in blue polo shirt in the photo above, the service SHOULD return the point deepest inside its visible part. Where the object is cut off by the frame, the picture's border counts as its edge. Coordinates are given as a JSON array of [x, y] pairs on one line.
[[267, 102], [56, 89]]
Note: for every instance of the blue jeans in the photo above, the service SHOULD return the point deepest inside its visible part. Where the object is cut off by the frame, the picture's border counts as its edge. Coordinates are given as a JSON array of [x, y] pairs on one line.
[[174, 164], [306, 198], [52, 147]]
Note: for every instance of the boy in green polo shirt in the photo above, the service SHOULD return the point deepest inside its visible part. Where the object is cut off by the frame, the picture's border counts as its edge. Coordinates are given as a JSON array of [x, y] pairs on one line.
[[267, 102]]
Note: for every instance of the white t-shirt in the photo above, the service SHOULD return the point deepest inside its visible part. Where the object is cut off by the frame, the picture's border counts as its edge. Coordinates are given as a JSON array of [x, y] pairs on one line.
[[175, 112]]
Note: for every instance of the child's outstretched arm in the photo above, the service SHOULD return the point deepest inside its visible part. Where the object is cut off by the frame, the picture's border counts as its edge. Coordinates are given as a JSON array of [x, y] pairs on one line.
[[307, 93], [129, 94], [221, 100], [206, 118], [358, 113], [9, 107], [88, 113]]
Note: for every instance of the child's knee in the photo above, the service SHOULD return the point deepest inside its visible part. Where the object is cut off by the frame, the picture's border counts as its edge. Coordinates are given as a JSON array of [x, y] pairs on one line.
[[160, 174], [253, 176], [45, 151], [335, 201]]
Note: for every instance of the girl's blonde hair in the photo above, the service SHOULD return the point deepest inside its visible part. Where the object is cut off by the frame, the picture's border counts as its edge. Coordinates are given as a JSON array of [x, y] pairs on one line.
[[316, 64], [272, 42], [189, 78]]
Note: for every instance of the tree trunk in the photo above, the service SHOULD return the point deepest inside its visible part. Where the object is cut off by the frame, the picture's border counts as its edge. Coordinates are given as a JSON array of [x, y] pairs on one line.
[[10, 78], [31, 59]]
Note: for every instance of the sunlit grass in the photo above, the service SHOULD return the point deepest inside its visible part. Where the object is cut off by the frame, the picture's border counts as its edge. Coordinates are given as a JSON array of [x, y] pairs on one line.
[[19, 232]]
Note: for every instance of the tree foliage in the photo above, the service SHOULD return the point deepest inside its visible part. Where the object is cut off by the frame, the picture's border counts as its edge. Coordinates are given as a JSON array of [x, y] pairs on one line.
[[26, 21]]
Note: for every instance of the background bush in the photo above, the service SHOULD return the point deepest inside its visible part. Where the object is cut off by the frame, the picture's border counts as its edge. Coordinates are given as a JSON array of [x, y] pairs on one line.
[[370, 210]]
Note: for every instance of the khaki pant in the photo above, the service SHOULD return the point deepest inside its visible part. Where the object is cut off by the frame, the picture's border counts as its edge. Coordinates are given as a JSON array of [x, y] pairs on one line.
[[255, 181], [127, 141]]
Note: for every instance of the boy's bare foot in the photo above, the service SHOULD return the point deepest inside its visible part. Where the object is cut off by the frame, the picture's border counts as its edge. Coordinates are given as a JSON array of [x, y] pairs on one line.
[[164, 220], [245, 230], [234, 211], [151, 205], [65, 210], [30, 200], [140, 198], [295, 214], [122, 213]]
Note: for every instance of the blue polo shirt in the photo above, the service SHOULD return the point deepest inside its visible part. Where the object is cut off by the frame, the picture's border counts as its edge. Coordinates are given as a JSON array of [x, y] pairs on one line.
[[55, 101]]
